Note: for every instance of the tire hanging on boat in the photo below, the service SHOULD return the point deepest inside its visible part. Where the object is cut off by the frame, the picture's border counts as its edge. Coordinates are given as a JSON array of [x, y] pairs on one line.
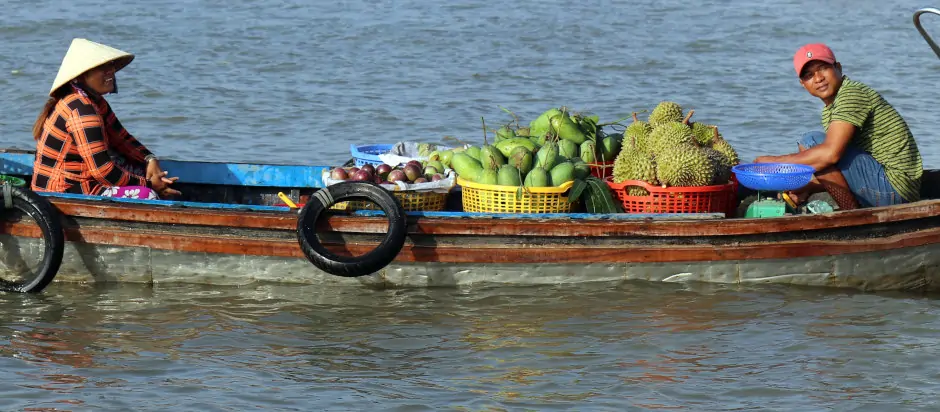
[[347, 266], [48, 219]]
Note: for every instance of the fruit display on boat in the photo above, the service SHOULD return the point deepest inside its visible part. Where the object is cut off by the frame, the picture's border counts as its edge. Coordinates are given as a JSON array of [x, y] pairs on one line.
[[671, 150], [556, 147]]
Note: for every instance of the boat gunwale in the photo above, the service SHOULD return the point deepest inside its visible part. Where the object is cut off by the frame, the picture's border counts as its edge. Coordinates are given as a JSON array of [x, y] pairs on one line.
[[427, 223]]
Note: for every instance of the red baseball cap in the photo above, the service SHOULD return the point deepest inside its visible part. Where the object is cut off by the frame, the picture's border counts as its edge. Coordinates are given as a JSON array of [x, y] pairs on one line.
[[810, 52]]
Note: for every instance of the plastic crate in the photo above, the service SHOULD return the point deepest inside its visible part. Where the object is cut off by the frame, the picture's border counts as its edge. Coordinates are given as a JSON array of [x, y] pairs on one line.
[[411, 201], [363, 154], [483, 198], [697, 199]]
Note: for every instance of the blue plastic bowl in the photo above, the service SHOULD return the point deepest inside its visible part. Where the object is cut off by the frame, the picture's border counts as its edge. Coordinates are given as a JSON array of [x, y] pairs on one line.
[[773, 176], [368, 153]]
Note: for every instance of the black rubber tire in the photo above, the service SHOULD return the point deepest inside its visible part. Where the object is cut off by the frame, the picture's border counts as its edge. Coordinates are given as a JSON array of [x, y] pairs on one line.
[[48, 219], [347, 266]]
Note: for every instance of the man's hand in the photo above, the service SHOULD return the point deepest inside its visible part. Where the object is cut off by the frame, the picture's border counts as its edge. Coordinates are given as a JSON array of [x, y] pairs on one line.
[[765, 159]]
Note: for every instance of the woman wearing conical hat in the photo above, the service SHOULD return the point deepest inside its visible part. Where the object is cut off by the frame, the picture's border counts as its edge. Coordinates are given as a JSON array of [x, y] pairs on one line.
[[81, 146]]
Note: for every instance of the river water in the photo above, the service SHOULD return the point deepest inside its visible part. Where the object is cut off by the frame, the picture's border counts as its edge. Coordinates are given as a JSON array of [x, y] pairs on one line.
[[629, 346], [297, 81]]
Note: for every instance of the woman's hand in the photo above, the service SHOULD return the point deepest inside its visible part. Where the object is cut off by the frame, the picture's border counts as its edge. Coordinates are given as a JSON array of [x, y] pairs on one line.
[[161, 184], [153, 169], [158, 180]]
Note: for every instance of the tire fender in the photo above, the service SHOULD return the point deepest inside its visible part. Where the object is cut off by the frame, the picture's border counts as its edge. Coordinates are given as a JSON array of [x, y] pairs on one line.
[[49, 220], [349, 266]]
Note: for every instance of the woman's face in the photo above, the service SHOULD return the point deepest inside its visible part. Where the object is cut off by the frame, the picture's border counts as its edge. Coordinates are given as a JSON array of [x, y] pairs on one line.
[[101, 79]]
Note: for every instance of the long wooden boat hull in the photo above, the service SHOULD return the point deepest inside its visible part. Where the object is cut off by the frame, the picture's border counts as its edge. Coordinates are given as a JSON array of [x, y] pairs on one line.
[[243, 240]]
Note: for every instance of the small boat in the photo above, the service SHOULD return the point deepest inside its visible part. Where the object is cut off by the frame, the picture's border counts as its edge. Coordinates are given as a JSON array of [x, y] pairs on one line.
[[226, 232]]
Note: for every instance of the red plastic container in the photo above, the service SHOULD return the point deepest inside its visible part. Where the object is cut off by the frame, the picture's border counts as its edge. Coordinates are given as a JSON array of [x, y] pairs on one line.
[[697, 199], [602, 170]]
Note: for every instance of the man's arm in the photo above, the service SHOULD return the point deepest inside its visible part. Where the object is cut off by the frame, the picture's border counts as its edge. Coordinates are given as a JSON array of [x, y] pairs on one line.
[[822, 155]]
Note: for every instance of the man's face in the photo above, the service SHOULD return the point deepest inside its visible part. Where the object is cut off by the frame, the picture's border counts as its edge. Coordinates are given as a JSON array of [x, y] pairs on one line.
[[821, 79]]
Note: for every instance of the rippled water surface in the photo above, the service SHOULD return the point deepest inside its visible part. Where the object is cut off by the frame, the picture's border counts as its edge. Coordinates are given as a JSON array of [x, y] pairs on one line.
[[630, 346], [294, 81], [298, 81]]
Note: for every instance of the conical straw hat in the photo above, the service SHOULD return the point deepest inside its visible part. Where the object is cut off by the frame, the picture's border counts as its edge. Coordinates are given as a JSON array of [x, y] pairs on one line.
[[84, 55]]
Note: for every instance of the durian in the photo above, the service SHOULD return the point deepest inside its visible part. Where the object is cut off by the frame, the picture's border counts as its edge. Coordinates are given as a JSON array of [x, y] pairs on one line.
[[725, 148], [635, 165], [664, 112], [669, 135], [684, 165], [637, 134], [722, 166], [703, 133]]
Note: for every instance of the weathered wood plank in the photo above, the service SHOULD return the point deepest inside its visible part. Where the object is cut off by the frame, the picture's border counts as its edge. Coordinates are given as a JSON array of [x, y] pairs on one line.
[[504, 227]]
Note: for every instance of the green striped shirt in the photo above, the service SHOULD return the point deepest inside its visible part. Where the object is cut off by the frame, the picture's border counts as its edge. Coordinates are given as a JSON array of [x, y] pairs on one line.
[[881, 131]]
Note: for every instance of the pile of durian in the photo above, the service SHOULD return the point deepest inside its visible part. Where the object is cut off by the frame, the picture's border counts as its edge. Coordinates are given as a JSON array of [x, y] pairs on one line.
[[670, 150]]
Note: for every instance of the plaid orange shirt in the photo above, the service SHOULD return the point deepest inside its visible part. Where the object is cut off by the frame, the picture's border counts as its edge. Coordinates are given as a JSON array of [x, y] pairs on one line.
[[72, 151]]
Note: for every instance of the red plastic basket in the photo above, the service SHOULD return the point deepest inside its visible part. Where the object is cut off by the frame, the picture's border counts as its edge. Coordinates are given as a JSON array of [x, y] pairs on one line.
[[602, 170], [697, 199]]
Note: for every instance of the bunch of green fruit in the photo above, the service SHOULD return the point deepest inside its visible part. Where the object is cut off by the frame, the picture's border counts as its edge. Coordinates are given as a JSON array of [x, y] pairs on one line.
[[556, 147], [669, 149]]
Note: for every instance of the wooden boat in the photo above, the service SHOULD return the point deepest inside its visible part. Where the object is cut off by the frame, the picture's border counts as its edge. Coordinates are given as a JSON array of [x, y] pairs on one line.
[[222, 232]]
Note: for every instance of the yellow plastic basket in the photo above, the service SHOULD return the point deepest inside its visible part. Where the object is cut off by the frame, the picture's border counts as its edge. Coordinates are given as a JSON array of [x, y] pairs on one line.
[[410, 200], [503, 199]]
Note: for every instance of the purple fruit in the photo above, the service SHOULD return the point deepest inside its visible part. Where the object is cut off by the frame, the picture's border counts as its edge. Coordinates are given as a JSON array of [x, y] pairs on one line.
[[362, 175], [397, 176], [412, 172], [421, 179], [436, 177], [383, 170], [415, 163], [339, 174], [369, 168], [352, 170]]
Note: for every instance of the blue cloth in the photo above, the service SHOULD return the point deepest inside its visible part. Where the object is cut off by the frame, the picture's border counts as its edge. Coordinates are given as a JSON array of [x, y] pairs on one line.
[[865, 176]]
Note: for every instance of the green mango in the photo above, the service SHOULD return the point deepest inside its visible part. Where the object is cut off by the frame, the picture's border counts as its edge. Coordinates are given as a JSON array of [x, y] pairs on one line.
[[466, 166], [568, 149], [581, 170], [588, 151], [567, 129], [542, 124], [506, 146], [491, 158], [488, 177], [435, 155], [437, 165], [538, 177], [508, 176], [561, 173], [610, 147], [446, 157], [546, 156], [474, 152], [504, 133], [521, 158]]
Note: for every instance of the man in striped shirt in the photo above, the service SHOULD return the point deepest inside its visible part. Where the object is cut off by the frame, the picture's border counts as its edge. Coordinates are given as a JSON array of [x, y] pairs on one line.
[[867, 155]]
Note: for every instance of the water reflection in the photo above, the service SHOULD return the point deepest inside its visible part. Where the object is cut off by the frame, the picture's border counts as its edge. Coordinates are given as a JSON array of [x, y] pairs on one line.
[[647, 346]]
